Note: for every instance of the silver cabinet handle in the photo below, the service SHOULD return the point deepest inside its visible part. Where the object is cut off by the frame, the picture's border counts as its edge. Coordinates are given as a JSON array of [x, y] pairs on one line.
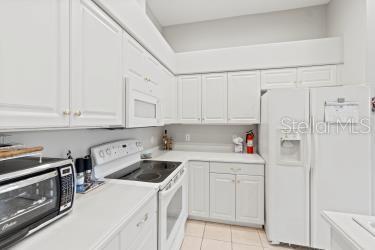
[[143, 221], [66, 112], [77, 113]]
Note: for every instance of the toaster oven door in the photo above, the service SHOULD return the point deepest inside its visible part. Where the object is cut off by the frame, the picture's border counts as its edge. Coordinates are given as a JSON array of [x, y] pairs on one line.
[[26, 203]]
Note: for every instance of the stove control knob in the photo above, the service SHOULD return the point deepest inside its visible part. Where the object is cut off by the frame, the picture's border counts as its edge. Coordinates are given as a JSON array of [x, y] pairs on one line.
[[101, 153], [108, 151]]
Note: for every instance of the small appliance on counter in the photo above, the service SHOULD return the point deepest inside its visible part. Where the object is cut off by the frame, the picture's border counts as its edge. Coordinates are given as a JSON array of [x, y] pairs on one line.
[[34, 191], [85, 177], [238, 144]]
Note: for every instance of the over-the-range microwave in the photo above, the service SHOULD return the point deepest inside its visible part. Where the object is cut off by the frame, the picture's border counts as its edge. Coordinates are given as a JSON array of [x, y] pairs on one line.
[[33, 192], [143, 106]]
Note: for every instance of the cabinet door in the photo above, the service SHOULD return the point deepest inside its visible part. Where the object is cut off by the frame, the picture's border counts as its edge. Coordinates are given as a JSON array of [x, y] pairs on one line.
[[279, 78], [222, 196], [317, 76], [34, 64], [113, 244], [169, 98], [134, 58], [214, 98], [244, 97], [97, 80], [250, 199], [199, 180], [189, 98]]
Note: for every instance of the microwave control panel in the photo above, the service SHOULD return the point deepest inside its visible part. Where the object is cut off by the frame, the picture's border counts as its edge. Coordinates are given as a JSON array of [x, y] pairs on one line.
[[67, 187]]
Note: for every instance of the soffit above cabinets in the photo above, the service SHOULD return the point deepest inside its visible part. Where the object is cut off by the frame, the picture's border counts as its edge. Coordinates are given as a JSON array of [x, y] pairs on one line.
[[172, 12]]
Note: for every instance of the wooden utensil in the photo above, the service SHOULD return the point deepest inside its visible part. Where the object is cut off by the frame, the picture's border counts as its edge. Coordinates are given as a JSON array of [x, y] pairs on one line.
[[15, 152]]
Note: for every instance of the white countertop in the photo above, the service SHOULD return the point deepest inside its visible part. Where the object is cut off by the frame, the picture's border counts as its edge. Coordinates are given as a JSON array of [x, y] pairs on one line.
[[185, 156], [95, 216], [351, 230]]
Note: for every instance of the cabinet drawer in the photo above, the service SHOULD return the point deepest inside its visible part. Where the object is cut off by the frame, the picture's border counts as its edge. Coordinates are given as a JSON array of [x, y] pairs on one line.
[[236, 168], [140, 224]]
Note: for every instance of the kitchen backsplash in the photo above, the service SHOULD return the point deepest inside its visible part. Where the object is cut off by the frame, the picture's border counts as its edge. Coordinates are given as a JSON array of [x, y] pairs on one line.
[[209, 134], [56, 143]]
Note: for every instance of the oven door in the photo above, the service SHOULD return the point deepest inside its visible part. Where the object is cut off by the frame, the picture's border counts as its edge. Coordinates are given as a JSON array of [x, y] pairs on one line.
[[143, 108], [172, 212], [26, 203]]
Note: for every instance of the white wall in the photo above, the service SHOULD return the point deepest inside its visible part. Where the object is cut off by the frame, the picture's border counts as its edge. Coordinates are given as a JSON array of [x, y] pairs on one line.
[[347, 18], [208, 134], [298, 24], [56, 143]]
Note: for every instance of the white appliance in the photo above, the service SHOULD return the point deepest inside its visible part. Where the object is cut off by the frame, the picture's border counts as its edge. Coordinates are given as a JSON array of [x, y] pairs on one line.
[[121, 161], [318, 164], [143, 107]]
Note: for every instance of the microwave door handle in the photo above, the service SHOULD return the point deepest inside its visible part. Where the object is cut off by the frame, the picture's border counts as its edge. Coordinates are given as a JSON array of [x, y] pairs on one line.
[[14, 237], [27, 182]]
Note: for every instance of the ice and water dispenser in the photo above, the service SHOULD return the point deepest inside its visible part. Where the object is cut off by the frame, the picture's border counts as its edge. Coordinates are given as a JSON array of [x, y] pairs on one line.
[[290, 148]]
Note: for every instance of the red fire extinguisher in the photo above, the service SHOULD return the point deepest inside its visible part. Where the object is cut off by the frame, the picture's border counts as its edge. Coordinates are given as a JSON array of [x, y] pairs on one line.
[[250, 142]]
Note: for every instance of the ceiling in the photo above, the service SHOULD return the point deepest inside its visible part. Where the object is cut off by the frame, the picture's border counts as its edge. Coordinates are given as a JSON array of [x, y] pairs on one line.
[[172, 12]]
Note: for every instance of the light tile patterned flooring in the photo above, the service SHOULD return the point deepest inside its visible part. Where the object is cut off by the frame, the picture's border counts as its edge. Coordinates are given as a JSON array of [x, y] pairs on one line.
[[201, 235]]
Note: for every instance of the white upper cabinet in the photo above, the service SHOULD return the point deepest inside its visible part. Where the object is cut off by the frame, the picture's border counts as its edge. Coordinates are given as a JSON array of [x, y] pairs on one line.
[[317, 76], [189, 98], [214, 98], [199, 189], [34, 64], [97, 79], [279, 78], [244, 97], [169, 97], [222, 196], [250, 199]]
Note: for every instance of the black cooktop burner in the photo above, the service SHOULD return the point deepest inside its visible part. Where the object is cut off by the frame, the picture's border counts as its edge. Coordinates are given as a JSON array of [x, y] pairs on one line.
[[146, 171]]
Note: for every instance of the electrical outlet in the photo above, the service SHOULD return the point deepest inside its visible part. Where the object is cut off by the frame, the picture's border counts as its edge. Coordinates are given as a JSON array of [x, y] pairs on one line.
[[187, 137]]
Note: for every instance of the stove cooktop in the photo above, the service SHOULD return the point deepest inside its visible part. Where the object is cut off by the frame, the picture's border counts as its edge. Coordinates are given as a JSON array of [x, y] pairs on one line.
[[146, 171]]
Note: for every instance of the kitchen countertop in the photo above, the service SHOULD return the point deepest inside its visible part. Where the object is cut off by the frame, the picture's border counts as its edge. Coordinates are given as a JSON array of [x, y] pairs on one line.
[[185, 156], [351, 230], [96, 216]]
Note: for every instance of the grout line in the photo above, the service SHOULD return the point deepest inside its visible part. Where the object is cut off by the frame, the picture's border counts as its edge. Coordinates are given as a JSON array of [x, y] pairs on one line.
[[204, 230]]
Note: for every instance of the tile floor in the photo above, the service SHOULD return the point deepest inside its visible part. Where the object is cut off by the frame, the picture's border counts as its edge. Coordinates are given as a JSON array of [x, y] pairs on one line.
[[201, 235]]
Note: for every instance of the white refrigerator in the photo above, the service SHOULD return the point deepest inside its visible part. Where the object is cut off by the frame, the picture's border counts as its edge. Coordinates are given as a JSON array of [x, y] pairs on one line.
[[317, 148]]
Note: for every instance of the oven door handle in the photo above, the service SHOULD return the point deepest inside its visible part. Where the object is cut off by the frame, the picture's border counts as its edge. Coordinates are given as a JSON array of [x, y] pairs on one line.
[[27, 182], [173, 188]]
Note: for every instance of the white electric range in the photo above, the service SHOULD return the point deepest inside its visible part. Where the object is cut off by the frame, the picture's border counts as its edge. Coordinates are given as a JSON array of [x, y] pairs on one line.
[[121, 161]]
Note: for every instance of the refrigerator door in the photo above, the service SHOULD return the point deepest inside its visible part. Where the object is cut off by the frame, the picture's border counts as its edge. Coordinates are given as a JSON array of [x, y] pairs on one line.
[[341, 170], [287, 165]]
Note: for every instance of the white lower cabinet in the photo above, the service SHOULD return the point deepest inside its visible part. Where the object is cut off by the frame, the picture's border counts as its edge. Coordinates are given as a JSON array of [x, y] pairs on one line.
[[223, 196], [113, 244], [250, 199], [140, 233], [227, 192], [199, 189]]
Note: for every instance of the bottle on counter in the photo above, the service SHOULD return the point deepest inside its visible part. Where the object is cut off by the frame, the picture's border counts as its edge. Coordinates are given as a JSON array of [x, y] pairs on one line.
[[80, 175], [88, 170]]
